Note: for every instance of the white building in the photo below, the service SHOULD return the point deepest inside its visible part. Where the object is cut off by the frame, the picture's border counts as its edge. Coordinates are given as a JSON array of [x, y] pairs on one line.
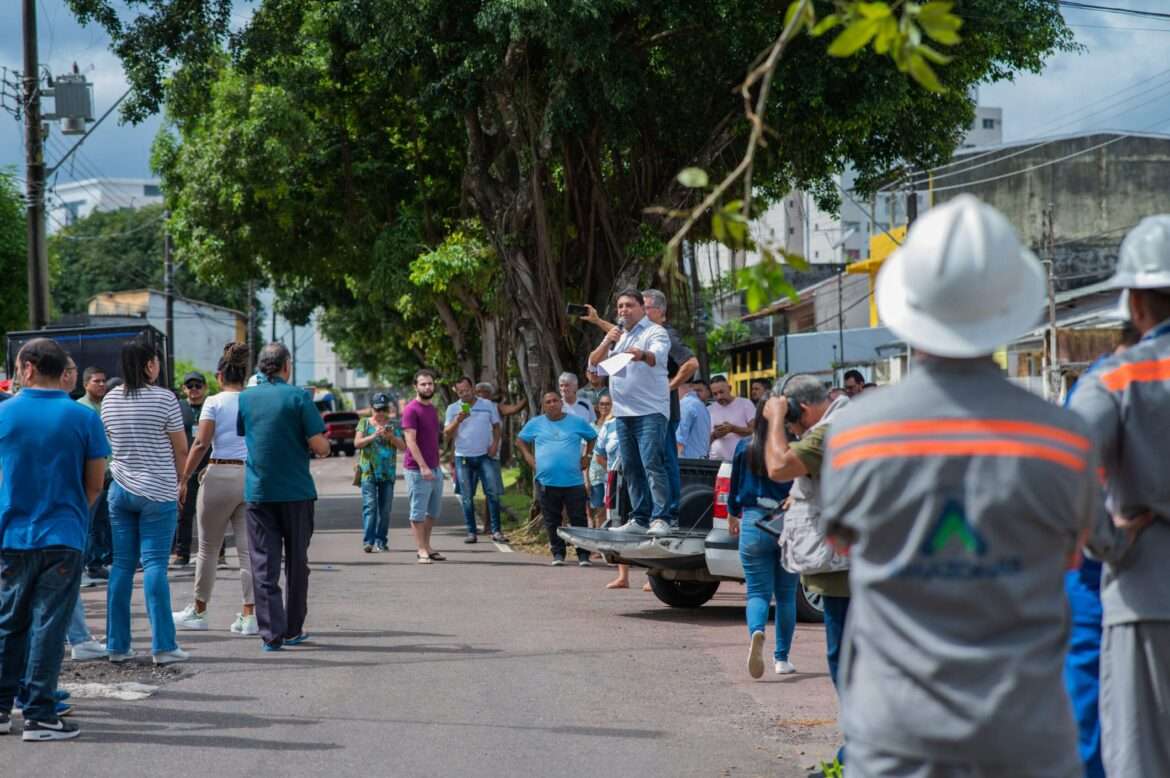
[[201, 329], [72, 201]]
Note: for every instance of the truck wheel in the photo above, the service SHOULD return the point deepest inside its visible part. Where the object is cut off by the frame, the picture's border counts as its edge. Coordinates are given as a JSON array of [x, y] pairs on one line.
[[682, 594], [809, 607]]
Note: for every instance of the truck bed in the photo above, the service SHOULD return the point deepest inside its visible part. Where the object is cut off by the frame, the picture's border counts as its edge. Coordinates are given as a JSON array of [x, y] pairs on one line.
[[680, 550]]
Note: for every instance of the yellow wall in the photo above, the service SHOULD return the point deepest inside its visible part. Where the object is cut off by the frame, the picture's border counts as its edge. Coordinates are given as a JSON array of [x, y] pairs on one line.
[[750, 362]]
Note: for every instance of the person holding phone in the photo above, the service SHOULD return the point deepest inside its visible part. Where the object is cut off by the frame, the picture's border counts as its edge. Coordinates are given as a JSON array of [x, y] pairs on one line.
[[379, 438], [473, 424]]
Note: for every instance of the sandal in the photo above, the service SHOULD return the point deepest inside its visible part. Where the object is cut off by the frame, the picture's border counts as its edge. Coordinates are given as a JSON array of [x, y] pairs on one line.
[[435, 555], [424, 560]]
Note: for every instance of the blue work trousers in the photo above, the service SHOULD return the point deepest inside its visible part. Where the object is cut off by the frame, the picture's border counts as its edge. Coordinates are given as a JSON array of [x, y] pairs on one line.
[[836, 609], [470, 471]]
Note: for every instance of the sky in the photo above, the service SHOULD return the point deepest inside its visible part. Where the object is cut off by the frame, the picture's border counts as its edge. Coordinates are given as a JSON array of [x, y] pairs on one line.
[[1120, 82]]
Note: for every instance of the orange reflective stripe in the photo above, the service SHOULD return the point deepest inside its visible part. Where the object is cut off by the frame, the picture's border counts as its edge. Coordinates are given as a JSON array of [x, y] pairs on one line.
[[1120, 378], [959, 448], [932, 427]]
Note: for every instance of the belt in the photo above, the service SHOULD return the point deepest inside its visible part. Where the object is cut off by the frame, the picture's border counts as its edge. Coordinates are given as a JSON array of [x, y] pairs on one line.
[[226, 461]]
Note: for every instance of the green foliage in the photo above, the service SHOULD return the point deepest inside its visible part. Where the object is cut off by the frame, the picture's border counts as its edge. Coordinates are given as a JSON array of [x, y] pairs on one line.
[[720, 337], [13, 258], [183, 367], [112, 251]]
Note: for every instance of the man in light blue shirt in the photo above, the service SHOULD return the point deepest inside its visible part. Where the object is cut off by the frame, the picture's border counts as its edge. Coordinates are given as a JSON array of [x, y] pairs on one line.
[[641, 404], [694, 426], [474, 424], [557, 460]]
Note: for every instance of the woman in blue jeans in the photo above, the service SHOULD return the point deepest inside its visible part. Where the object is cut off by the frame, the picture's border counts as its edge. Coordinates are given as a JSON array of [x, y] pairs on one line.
[[149, 445], [753, 497]]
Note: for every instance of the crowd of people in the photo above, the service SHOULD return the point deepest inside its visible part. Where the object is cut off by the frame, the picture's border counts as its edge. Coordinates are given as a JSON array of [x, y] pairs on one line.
[[935, 518]]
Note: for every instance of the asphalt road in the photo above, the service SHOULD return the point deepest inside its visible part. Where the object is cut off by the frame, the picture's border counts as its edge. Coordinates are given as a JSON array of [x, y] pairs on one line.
[[491, 663]]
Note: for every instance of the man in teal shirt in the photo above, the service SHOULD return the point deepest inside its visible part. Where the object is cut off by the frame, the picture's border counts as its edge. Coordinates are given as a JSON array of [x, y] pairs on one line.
[[282, 430]]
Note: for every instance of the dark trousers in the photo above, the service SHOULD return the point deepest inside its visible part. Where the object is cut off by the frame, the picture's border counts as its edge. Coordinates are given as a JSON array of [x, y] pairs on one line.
[[554, 500], [186, 527], [38, 589], [836, 611], [99, 545], [276, 528]]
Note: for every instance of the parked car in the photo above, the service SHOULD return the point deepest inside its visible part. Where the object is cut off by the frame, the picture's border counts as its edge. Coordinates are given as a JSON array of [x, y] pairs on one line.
[[340, 428], [686, 567]]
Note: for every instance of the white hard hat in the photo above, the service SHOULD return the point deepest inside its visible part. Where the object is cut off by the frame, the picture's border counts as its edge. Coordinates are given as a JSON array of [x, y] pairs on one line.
[[1144, 259], [962, 285]]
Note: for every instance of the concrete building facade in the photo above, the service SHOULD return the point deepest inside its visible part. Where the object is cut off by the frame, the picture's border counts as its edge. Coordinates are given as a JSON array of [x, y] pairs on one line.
[[70, 202]]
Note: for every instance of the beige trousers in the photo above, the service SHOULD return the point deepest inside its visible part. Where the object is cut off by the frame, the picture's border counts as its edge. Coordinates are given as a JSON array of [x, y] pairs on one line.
[[221, 501]]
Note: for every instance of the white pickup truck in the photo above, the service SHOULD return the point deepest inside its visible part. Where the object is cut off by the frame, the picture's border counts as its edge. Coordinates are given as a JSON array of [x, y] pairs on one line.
[[685, 567]]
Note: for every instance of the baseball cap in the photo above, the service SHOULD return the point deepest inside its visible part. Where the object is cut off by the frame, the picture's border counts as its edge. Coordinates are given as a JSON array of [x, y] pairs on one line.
[[380, 401], [194, 375]]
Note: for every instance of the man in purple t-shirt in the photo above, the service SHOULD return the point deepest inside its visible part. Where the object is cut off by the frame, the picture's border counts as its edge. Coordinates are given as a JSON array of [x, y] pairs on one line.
[[424, 477]]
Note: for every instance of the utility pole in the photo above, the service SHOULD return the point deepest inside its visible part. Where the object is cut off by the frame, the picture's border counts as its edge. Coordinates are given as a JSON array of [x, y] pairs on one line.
[[841, 315], [38, 259], [1052, 359], [293, 338], [169, 293], [911, 206], [697, 304], [273, 339], [249, 338]]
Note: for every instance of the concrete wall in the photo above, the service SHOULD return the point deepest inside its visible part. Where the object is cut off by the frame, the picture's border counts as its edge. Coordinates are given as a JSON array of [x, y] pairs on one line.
[[1097, 195]]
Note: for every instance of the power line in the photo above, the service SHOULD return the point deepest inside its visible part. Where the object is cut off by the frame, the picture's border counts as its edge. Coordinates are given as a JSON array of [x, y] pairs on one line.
[[1079, 6]]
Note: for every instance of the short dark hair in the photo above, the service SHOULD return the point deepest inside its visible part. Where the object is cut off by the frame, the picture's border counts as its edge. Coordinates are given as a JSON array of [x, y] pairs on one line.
[[89, 373], [764, 382], [272, 359], [46, 355], [855, 375], [1129, 335], [423, 372], [630, 292], [718, 379], [465, 380], [547, 392], [136, 355]]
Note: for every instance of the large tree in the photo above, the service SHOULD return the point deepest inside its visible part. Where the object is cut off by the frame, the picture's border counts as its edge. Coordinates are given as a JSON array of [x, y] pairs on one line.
[[13, 253], [561, 122]]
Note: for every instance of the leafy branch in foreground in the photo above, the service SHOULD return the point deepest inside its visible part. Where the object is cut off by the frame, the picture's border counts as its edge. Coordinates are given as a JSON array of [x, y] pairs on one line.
[[880, 25]]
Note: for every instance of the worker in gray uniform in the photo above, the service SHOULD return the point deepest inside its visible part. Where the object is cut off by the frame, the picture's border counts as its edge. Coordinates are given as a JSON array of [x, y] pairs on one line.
[[963, 499], [1126, 402]]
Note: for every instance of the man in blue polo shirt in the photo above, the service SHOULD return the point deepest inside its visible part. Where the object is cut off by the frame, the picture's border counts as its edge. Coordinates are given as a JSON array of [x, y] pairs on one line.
[[557, 437], [282, 430], [53, 459]]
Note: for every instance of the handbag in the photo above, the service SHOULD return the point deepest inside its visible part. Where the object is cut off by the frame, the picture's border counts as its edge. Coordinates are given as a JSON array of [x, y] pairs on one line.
[[773, 524], [357, 467]]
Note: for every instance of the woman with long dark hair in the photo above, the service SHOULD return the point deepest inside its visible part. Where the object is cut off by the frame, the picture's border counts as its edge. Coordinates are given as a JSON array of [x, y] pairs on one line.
[[755, 497], [145, 428], [221, 494]]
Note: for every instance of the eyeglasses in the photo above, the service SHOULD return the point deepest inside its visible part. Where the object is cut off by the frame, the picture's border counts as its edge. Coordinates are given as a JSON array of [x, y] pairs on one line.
[[194, 384]]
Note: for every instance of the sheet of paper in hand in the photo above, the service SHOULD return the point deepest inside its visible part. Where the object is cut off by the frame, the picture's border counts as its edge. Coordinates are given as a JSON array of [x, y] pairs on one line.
[[616, 364]]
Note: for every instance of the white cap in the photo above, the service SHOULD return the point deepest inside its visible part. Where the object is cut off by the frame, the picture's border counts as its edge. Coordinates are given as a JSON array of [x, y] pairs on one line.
[[1144, 259], [962, 285]]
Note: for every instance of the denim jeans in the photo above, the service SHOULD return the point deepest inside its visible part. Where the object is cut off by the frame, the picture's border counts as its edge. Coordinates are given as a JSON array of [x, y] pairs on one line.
[[766, 577], [468, 472], [836, 609], [640, 440], [142, 529], [376, 499], [77, 632], [37, 588], [673, 477]]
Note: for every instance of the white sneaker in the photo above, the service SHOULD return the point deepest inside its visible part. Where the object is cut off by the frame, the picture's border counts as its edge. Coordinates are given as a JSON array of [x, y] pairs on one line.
[[188, 618], [784, 667], [245, 625], [631, 527], [88, 651], [658, 528], [118, 659], [171, 657], [756, 655]]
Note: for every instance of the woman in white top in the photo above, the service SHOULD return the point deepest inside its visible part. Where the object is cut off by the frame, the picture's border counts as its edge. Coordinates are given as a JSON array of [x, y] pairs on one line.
[[149, 448], [221, 493]]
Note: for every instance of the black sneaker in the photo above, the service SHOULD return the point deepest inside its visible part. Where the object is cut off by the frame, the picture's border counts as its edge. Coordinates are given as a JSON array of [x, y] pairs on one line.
[[471, 539], [100, 573], [50, 730], [5, 723], [558, 561]]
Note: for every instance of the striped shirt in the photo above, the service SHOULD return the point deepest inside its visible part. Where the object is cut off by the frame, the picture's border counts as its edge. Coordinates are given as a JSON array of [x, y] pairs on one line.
[[143, 460]]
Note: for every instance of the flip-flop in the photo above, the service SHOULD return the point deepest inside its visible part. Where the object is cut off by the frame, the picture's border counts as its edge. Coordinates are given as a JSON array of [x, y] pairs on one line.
[[435, 555], [424, 560]]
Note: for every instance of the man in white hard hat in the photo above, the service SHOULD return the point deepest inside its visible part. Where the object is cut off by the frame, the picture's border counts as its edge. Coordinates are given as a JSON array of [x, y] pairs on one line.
[[1126, 402], [964, 498]]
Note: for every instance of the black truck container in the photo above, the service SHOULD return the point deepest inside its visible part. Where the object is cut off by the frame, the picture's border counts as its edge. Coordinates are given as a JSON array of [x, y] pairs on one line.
[[93, 346]]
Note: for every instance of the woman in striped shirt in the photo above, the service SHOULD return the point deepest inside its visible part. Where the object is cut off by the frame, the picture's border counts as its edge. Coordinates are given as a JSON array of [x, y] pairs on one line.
[[145, 428]]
